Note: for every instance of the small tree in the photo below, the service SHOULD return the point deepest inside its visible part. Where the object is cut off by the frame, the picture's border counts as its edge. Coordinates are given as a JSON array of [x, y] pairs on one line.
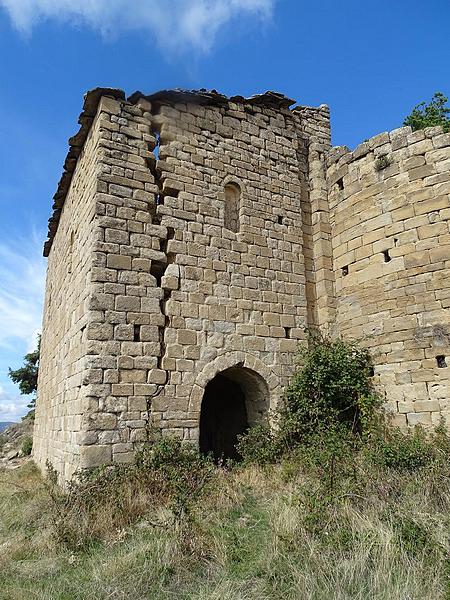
[[333, 388], [27, 376], [430, 115]]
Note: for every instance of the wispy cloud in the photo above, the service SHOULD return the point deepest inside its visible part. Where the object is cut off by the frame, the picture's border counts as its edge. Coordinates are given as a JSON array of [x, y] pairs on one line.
[[22, 278], [12, 406], [174, 24]]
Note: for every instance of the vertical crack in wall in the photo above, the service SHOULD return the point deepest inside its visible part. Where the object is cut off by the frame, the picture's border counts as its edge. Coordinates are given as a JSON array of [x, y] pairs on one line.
[[165, 276], [167, 292]]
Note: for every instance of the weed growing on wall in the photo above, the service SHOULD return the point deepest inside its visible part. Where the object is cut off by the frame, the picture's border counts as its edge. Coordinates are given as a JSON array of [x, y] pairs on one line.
[[382, 162]]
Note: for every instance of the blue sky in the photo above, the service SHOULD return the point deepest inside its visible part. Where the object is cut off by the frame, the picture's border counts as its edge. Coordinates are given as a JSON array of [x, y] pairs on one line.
[[369, 61]]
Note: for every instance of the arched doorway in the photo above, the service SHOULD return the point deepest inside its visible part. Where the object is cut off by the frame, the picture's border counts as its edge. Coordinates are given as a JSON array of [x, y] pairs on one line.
[[234, 400]]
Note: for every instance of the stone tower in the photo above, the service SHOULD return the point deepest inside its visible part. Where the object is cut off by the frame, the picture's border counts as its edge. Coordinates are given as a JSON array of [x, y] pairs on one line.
[[193, 239]]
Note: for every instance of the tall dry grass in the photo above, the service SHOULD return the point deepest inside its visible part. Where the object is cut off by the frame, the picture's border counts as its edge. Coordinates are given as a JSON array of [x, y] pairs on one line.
[[251, 533]]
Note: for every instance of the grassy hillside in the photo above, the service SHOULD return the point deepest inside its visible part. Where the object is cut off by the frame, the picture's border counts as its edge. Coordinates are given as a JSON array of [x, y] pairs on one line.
[[273, 532]]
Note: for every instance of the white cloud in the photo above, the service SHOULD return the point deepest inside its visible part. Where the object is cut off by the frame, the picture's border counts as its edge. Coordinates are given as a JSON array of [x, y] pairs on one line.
[[22, 280], [174, 23], [12, 408]]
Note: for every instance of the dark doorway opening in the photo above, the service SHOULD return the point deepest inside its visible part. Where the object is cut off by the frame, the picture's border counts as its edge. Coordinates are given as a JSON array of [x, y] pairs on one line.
[[234, 400], [223, 418]]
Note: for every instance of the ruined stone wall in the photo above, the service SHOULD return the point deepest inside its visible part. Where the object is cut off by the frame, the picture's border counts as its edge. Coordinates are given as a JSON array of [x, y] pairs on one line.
[[240, 297], [123, 335], [62, 398], [214, 298], [390, 213], [196, 265], [195, 234]]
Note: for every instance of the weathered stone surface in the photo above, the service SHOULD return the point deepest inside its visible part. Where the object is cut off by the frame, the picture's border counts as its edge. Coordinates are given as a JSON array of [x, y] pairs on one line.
[[94, 456], [399, 307], [159, 277]]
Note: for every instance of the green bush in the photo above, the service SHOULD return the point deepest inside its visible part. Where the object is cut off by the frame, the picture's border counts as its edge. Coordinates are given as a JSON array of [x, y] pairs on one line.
[[259, 445], [333, 389], [27, 446], [182, 469], [402, 451], [410, 450], [430, 115], [413, 536]]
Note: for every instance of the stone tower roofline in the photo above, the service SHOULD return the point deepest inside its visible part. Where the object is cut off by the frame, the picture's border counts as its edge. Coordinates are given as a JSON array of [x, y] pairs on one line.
[[171, 97]]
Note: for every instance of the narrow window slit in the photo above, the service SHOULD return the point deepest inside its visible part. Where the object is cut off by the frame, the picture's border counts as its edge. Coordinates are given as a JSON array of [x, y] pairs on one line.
[[340, 183], [159, 197], [440, 361], [280, 220], [386, 256], [287, 332], [137, 333], [231, 210], [345, 270]]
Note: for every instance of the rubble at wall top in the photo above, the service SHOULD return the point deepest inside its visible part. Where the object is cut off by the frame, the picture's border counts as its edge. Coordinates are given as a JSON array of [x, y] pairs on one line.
[[397, 138], [92, 98]]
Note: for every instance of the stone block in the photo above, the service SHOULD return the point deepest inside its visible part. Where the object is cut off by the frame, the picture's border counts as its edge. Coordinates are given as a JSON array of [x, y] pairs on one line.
[[117, 261], [102, 421], [124, 332], [185, 336], [423, 418], [95, 456], [426, 406], [122, 389], [99, 331], [133, 376], [137, 403], [142, 264], [421, 172], [128, 303], [123, 457], [144, 389]]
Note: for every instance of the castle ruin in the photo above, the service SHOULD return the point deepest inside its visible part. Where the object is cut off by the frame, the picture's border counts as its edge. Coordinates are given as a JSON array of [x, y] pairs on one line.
[[193, 239]]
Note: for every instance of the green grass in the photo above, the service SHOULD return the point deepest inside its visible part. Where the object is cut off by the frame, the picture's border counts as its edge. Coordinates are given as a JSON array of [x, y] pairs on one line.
[[255, 533]]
